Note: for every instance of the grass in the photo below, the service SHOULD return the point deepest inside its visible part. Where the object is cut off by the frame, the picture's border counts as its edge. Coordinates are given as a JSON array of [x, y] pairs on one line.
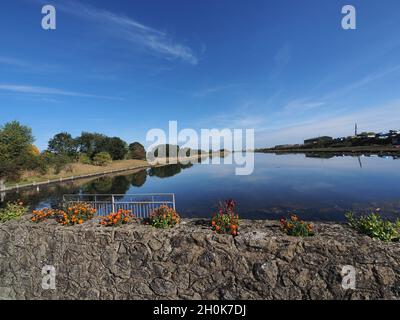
[[79, 169]]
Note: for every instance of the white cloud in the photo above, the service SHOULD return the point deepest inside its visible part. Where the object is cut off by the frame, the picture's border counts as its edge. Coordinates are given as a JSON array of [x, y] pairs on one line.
[[24, 65], [28, 89], [216, 89], [301, 105], [130, 30], [13, 62], [377, 119], [282, 58]]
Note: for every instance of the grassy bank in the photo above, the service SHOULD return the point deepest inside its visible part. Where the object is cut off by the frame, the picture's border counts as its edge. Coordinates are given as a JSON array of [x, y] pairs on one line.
[[79, 169]]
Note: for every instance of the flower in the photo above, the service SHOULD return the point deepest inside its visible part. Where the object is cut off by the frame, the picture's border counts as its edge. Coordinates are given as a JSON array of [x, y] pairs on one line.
[[164, 217], [296, 227], [226, 220], [116, 219]]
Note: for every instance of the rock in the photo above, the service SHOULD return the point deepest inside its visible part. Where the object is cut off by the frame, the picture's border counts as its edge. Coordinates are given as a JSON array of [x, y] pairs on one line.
[[192, 262], [163, 287]]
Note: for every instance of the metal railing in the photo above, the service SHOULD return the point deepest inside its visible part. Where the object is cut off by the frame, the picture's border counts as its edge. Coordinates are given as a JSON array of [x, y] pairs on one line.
[[141, 205]]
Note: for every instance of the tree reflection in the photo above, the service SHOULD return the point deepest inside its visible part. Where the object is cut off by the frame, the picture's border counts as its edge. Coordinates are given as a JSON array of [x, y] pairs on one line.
[[168, 171], [139, 179]]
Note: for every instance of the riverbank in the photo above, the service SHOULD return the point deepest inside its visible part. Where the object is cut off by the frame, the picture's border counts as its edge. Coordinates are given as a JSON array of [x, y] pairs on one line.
[[136, 261], [79, 171], [378, 150]]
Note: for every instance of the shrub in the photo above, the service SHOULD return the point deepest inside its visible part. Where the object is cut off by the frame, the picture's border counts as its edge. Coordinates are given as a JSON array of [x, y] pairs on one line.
[[117, 219], [296, 227], [102, 159], [76, 214], [12, 211], [164, 217], [226, 220], [43, 214], [84, 159], [375, 227]]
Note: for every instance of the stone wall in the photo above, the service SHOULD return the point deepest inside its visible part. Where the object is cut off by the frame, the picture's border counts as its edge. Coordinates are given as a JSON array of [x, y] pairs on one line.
[[190, 262]]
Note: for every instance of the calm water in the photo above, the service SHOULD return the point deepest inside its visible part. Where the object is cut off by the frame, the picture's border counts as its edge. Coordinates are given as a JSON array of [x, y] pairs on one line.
[[315, 188]]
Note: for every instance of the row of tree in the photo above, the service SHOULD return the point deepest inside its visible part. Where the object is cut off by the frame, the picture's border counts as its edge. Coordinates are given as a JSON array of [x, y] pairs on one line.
[[18, 154], [91, 144]]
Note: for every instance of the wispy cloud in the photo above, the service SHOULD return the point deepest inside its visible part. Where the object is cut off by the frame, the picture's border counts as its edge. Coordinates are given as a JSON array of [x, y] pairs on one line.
[[363, 82], [13, 62], [314, 102], [376, 118], [282, 58], [302, 105], [130, 30], [241, 117], [46, 91], [215, 89], [27, 65]]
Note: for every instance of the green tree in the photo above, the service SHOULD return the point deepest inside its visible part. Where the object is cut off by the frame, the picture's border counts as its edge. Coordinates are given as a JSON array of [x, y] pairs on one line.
[[63, 144], [137, 151], [116, 147], [15, 150], [90, 143], [94, 143]]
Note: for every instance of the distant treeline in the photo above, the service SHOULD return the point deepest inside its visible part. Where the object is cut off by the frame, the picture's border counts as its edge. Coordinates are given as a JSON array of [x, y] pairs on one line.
[[18, 153]]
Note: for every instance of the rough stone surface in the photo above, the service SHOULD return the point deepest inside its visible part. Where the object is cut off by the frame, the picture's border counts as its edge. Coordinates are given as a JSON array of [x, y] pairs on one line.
[[136, 261]]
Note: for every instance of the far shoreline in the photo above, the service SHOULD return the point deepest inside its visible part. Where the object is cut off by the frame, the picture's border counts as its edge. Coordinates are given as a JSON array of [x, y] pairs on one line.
[[358, 150]]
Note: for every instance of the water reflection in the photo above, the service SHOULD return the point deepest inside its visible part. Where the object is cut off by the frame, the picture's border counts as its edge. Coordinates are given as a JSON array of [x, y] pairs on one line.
[[168, 171], [313, 185], [51, 196]]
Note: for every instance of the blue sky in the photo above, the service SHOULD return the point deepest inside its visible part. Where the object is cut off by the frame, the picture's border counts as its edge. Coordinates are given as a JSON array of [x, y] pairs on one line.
[[283, 67]]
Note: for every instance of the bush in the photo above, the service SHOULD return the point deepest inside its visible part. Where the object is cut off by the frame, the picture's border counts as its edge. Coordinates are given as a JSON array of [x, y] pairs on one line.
[[76, 214], [61, 162], [84, 159], [226, 220], [375, 227], [296, 227], [117, 219], [102, 159], [12, 211], [164, 217]]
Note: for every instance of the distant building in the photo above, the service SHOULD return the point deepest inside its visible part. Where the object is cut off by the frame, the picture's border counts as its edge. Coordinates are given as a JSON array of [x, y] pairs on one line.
[[366, 135], [382, 136], [318, 140]]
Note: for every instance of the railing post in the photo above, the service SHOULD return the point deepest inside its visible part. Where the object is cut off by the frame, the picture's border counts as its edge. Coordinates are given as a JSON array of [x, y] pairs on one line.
[[113, 203]]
